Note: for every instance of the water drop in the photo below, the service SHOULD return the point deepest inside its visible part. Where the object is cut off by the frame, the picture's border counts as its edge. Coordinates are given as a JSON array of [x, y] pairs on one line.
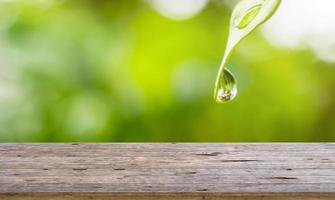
[[244, 19], [246, 16], [226, 89]]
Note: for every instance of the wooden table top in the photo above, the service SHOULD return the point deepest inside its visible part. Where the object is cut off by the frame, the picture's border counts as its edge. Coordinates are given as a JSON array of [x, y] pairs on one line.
[[167, 171]]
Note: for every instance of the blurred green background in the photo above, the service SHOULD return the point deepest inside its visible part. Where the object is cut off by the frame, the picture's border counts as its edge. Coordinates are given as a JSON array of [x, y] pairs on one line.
[[120, 71]]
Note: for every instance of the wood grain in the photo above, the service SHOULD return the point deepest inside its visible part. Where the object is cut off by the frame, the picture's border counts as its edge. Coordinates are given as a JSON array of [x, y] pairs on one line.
[[125, 171]]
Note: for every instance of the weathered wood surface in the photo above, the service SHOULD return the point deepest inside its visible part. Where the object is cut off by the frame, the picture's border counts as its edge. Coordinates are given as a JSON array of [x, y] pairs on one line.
[[167, 171]]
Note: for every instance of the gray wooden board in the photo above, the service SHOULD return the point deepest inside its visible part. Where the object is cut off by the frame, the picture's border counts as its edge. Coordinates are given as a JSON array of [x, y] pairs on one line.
[[167, 171]]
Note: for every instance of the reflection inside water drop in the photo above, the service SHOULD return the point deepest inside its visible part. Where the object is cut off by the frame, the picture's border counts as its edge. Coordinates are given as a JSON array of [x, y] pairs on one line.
[[226, 89]]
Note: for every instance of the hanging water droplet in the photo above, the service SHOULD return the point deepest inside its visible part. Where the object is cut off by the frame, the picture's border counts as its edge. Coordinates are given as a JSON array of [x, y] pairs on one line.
[[246, 16], [242, 20], [225, 89]]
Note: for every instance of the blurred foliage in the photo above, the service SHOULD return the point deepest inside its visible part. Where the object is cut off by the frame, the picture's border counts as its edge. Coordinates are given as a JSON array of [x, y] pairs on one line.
[[117, 71]]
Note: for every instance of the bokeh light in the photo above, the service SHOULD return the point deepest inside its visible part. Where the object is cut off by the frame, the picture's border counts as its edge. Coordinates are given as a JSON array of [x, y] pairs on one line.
[[176, 9]]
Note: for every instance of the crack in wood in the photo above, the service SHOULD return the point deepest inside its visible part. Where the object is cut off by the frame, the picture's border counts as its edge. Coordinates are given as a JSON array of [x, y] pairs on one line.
[[190, 172], [208, 154], [80, 169], [281, 178], [241, 161]]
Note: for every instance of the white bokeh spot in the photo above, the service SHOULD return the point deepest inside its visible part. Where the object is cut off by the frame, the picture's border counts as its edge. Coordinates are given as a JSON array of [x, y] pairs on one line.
[[304, 23], [179, 9]]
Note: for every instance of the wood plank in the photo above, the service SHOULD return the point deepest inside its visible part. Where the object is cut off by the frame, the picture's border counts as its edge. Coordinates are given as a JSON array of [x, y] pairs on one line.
[[125, 171]]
